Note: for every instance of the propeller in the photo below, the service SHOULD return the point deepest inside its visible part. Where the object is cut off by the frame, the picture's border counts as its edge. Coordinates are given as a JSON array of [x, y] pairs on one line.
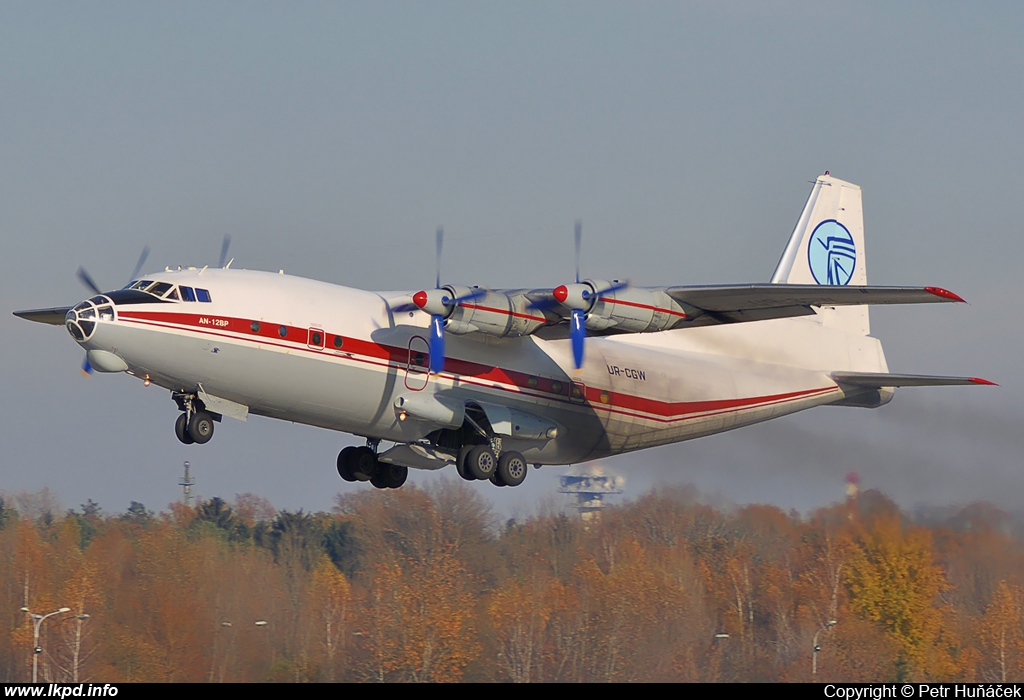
[[578, 235], [86, 279], [439, 303], [437, 258], [139, 264], [579, 298], [224, 250]]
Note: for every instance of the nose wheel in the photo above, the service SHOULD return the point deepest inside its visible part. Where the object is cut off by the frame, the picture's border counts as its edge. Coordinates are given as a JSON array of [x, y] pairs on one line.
[[197, 429]]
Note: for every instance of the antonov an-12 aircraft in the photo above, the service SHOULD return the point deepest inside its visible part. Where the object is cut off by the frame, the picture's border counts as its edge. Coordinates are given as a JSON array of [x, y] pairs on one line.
[[492, 381]]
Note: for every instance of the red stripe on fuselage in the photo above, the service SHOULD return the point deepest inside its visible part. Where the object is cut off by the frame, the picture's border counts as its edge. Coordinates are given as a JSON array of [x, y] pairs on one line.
[[369, 352]]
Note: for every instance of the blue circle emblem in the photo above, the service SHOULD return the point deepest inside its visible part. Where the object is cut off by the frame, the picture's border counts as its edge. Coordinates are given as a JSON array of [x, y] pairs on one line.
[[831, 253]]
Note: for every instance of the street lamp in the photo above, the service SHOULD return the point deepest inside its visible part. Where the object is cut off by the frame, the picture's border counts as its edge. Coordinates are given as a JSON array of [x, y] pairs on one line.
[[815, 648], [36, 649]]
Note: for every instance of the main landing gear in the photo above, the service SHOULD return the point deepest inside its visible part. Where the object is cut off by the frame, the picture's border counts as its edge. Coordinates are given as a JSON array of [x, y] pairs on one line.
[[361, 464], [195, 424], [478, 462]]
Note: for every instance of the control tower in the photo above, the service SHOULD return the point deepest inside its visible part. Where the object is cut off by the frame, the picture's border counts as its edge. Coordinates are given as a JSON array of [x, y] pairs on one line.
[[591, 483]]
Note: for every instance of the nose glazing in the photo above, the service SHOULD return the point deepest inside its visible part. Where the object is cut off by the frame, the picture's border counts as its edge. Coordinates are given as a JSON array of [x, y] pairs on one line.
[[81, 320]]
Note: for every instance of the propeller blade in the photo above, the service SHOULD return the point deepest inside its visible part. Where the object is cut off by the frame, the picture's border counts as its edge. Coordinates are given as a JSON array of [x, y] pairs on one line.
[[578, 334], [440, 247], [579, 244], [224, 250], [139, 264], [402, 308], [86, 367], [436, 344], [85, 279]]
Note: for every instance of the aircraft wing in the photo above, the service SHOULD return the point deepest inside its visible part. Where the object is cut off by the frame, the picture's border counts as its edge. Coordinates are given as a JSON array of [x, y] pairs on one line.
[[758, 302], [54, 316], [878, 380]]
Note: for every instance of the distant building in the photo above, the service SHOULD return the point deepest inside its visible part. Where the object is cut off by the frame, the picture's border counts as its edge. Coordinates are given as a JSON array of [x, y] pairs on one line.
[[591, 484]]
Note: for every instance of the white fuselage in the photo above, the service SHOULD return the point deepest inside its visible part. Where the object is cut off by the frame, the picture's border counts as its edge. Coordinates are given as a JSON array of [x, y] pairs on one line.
[[268, 342]]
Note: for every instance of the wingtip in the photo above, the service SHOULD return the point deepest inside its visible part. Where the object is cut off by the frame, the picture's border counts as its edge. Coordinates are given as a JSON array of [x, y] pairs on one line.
[[945, 294], [983, 382]]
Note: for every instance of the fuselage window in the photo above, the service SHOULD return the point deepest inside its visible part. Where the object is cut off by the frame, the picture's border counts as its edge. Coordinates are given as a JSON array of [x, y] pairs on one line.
[[188, 294], [338, 341], [202, 294], [316, 339], [255, 326], [282, 331]]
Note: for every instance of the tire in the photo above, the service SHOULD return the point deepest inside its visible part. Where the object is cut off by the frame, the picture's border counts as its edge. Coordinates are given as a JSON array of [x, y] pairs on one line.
[[200, 427], [460, 463], [496, 479], [344, 464], [181, 430], [480, 462], [397, 475], [363, 464], [389, 476], [512, 468]]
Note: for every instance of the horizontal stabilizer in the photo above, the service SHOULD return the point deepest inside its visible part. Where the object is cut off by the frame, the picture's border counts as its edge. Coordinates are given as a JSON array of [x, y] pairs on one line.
[[878, 380], [54, 316]]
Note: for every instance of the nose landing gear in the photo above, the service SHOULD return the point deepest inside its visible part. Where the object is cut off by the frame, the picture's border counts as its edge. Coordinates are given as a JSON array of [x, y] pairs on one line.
[[195, 424]]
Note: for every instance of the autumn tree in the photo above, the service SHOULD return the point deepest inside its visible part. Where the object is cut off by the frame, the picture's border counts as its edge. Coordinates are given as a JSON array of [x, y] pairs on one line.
[[893, 580]]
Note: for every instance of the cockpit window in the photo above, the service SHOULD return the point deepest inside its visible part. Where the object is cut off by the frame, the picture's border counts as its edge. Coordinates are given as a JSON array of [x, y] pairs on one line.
[[172, 295], [202, 294], [187, 293], [141, 285], [159, 289]]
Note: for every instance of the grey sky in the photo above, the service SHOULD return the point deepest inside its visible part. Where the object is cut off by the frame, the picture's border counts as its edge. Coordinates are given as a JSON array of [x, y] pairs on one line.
[[330, 139]]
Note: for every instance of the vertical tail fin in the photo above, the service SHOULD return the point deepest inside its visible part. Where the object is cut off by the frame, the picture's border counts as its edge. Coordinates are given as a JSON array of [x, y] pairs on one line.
[[827, 247]]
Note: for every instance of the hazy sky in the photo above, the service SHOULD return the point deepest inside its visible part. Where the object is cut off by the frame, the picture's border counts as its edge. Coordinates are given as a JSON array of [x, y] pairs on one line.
[[330, 139]]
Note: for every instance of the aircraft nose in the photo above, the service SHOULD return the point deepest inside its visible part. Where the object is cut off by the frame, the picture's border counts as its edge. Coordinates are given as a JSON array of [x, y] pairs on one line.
[[81, 319]]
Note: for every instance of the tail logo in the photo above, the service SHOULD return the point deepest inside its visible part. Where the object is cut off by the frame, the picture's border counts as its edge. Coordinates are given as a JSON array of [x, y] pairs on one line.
[[831, 253]]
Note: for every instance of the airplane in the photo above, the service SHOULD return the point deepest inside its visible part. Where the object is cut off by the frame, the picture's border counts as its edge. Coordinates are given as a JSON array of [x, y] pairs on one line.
[[493, 381]]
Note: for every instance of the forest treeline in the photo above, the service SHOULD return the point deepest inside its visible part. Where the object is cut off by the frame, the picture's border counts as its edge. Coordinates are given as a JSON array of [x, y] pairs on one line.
[[427, 585]]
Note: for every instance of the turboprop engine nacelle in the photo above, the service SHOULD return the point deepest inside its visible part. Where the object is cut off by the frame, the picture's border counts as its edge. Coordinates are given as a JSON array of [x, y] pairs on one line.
[[493, 313], [473, 310], [631, 309]]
